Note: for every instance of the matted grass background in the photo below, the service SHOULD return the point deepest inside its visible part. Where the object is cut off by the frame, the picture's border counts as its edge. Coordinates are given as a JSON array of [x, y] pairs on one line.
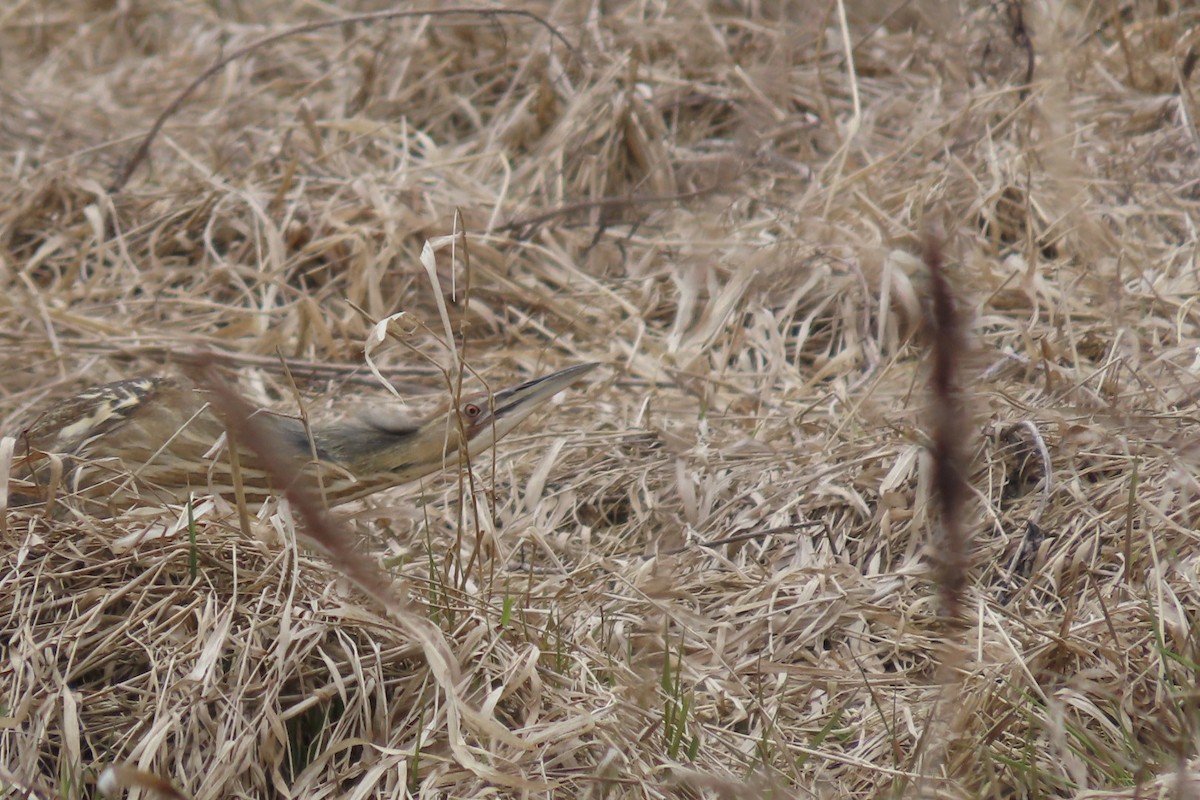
[[722, 202]]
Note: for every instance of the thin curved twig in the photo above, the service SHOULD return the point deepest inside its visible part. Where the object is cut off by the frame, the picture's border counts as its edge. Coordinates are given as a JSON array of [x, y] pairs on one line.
[[143, 149]]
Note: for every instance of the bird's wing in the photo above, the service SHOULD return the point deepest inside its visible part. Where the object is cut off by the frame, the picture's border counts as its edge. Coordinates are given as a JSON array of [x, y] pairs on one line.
[[390, 418], [72, 424], [114, 427]]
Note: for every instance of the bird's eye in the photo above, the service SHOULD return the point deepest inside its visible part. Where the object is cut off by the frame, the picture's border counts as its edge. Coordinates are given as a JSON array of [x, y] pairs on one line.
[[472, 411]]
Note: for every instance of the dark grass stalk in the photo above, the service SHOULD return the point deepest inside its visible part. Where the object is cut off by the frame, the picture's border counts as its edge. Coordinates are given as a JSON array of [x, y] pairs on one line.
[[949, 433], [949, 429], [318, 525]]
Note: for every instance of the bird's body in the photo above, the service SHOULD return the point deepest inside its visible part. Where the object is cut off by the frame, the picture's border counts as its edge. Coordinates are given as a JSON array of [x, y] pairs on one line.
[[159, 440]]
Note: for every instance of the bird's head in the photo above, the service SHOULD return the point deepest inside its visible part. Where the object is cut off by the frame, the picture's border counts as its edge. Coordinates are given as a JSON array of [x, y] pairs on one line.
[[407, 449], [485, 418]]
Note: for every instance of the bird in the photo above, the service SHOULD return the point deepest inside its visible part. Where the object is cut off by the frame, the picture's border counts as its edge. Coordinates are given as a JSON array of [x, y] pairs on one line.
[[163, 439]]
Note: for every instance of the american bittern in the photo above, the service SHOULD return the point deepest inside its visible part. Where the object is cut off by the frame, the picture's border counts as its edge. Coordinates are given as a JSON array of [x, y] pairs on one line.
[[159, 439]]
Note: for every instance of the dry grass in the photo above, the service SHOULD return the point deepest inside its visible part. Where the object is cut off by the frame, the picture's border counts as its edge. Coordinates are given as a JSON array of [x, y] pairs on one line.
[[714, 201]]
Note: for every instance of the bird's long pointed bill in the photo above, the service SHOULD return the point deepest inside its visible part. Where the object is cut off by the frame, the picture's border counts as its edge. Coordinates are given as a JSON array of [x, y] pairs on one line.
[[510, 406]]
